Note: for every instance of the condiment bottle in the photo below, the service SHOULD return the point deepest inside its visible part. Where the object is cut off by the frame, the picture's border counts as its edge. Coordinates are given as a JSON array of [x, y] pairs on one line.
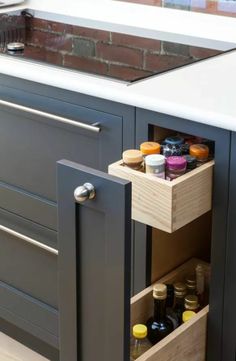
[[191, 162], [200, 279], [159, 326], [200, 151], [155, 165], [169, 306], [133, 158], [180, 293], [140, 343], [148, 148], [191, 285], [175, 167], [191, 303], [187, 315]]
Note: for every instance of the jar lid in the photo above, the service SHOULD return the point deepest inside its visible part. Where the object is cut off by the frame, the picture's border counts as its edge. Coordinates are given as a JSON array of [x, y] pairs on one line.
[[180, 289], [191, 281], [176, 162], [140, 331], [191, 161], [175, 140], [155, 159], [150, 148], [187, 315], [199, 150], [191, 302], [160, 291], [132, 156]]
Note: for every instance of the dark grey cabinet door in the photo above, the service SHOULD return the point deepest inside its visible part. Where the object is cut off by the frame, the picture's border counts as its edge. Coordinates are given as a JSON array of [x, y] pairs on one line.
[[94, 266], [229, 315]]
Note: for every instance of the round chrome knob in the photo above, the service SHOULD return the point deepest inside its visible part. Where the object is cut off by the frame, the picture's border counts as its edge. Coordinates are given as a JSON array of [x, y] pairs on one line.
[[85, 192]]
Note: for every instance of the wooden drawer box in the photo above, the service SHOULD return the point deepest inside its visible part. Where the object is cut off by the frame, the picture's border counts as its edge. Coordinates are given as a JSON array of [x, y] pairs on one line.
[[167, 205], [187, 342]]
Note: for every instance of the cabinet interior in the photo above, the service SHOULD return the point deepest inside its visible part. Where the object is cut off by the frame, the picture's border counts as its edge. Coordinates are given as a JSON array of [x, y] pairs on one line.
[[170, 250], [173, 256]]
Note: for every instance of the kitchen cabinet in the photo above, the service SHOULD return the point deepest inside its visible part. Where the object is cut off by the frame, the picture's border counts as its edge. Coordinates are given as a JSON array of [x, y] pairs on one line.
[[229, 315], [40, 125], [75, 233]]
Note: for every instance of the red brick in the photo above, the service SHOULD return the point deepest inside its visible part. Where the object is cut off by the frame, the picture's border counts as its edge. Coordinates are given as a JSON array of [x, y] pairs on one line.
[[46, 25], [201, 53], [89, 65], [49, 40], [42, 54], [160, 63], [126, 73], [136, 41], [120, 54], [90, 33]]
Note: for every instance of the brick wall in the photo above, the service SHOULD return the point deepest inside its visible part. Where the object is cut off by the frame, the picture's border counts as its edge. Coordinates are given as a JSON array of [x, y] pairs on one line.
[[118, 55]]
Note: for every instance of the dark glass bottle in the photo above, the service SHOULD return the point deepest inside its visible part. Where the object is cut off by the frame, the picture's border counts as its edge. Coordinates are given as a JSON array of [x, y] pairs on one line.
[[191, 285], [159, 326], [180, 293], [169, 306]]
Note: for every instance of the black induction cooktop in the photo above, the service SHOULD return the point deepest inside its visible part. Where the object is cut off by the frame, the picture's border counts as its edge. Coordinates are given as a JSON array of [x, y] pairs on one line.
[[104, 53]]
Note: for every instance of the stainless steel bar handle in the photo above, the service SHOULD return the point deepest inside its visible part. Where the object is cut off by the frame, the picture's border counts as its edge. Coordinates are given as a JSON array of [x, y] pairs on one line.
[[91, 127], [29, 240]]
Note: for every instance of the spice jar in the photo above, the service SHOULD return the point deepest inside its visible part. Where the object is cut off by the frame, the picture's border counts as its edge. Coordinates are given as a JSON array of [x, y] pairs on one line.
[[175, 140], [150, 148], [200, 151], [175, 167], [172, 146], [191, 162], [155, 165], [133, 158]]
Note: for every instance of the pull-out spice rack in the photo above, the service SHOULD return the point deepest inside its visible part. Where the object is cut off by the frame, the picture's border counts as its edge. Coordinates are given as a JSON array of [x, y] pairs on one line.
[[167, 205]]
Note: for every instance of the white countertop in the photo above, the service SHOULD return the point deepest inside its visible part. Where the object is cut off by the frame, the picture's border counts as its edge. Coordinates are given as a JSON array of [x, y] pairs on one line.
[[203, 92]]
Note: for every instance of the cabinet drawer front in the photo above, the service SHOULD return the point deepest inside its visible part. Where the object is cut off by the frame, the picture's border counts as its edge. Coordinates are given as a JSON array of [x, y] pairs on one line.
[[31, 144], [28, 265], [167, 205], [187, 342], [28, 206]]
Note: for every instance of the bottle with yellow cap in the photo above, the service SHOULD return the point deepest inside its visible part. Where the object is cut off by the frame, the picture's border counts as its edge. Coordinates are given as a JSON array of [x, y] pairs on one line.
[[140, 343], [187, 315], [159, 326]]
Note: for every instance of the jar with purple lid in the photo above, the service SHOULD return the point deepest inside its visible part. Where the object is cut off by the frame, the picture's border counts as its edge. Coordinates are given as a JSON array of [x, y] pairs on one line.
[[175, 167]]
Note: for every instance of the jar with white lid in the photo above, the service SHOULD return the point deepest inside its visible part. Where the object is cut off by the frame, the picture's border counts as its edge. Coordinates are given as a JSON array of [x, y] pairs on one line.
[[155, 165]]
